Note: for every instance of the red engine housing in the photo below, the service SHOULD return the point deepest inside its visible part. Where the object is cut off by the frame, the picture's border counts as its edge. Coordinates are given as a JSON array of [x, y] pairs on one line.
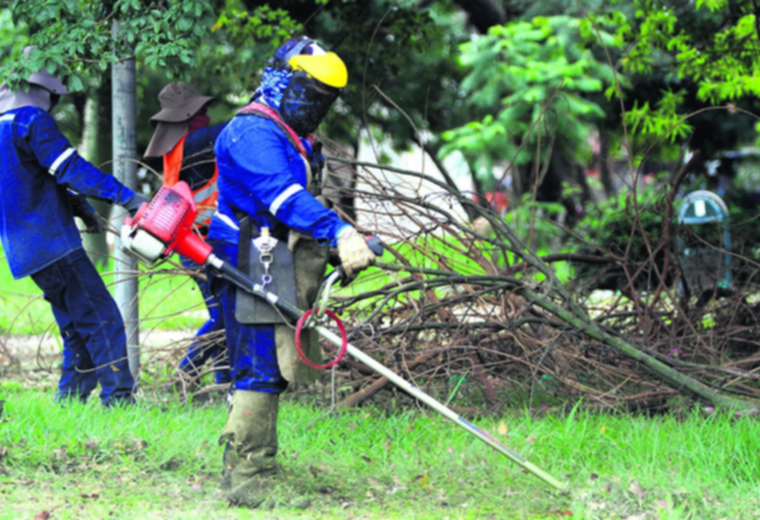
[[169, 218]]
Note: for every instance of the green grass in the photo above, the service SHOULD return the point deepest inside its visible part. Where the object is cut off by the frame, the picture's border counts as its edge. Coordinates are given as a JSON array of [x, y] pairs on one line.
[[161, 460], [167, 301]]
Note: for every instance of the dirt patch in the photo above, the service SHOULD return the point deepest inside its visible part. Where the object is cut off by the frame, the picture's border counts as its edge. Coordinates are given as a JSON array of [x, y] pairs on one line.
[[43, 351]]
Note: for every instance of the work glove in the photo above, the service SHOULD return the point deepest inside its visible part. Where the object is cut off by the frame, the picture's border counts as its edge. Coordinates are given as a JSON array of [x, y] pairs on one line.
[[354, 253], [133, 204], [82, 209]]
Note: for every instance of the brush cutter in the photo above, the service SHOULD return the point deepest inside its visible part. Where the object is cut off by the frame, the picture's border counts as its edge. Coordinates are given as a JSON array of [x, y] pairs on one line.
[[166, 226]]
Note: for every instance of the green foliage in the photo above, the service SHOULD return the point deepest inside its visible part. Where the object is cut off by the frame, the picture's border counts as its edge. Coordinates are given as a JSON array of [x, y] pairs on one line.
[[403, 75], [245, 29], [612, 226], [713, 50], [662, 122], [75, 38], [235, 51], [529, 221], [13, 35], [532, 80]]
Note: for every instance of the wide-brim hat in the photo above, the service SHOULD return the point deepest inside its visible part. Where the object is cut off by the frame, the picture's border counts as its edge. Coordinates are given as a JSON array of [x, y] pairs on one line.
[[44, 79], [165, 138], [49, 82], [179, 103]]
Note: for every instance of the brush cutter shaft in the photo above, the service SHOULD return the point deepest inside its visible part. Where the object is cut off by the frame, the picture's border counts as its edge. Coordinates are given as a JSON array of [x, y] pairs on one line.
[[245, 283], [439, 407]]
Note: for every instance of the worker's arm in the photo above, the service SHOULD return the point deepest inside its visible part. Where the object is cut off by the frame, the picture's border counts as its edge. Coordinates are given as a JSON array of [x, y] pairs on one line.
[[263, 168], [53, 151]]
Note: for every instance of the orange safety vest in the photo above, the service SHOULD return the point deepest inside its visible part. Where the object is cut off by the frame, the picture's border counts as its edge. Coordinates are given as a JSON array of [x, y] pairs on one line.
[[205, 196]]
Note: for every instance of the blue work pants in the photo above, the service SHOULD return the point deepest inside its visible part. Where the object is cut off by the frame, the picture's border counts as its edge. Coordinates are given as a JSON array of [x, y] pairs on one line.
[[251, 348], [202, 349], [94, 340]]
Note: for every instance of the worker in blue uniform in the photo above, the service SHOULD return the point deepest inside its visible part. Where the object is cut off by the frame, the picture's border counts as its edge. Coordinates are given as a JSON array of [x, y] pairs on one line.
[[267, 174], [185, 139], [43, 183]]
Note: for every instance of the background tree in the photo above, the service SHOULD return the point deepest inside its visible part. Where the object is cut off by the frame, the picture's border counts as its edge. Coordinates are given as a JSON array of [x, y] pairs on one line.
[[531, 80]]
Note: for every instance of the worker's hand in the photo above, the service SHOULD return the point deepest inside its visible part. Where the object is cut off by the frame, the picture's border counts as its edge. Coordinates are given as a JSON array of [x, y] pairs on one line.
[[354, 253], [93, 223], [133, 204], [82, 209]]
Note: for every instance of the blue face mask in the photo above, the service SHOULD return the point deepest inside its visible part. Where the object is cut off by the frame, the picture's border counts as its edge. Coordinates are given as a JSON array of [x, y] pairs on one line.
[[273, 85], [306, 102]]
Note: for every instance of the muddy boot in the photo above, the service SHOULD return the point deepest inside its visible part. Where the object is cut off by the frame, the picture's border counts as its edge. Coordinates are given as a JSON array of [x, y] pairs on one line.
[[230, 460], [251, 430]]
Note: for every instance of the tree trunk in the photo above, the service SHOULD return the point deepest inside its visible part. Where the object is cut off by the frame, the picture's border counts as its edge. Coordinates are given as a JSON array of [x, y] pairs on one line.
[[96, 148], [604, 164], [482, 14]]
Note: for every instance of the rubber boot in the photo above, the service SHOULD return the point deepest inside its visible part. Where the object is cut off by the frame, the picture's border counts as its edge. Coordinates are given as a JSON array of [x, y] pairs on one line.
[[230, 460], [251, 430]]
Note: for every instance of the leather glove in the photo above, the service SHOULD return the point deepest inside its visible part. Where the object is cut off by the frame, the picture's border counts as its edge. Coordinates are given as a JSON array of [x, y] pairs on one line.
[[133, 204], [82, 209], [354, 253]]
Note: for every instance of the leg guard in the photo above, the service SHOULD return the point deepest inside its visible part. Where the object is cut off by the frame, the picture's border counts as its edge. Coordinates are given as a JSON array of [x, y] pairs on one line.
[[251, 430]]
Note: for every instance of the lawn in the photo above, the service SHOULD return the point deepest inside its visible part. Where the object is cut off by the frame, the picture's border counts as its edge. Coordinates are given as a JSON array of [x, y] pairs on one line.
[[161, 460], [168, 300]]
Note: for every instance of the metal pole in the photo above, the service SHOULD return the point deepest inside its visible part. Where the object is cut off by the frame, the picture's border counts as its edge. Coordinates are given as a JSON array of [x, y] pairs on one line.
[[124, 122]]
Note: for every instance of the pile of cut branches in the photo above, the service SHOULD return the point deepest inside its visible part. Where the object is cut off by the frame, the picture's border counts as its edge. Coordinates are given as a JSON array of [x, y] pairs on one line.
[[452, 300], [460, 304]]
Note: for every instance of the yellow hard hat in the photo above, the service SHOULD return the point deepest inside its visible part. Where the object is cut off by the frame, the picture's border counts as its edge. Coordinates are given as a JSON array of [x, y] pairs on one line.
[[327, 68]]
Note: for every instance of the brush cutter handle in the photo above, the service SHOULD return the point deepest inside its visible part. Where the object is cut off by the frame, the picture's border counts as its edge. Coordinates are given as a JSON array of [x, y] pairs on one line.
[[375, 245]]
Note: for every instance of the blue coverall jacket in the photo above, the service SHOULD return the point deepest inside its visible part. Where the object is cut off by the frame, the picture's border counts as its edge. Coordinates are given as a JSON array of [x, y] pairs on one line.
[[40, 239], [38, 165], [264, 176]]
